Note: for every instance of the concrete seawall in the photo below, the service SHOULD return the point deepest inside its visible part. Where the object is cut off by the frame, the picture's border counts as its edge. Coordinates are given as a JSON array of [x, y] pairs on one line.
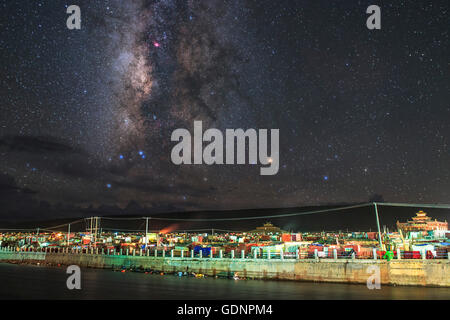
[[432, 273]]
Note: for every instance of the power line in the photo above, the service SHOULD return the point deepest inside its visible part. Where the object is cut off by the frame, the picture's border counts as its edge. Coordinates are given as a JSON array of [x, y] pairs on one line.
[[114, 218], [65, 224], [130, 230], [17, 229], [267, 217], [434, 206]]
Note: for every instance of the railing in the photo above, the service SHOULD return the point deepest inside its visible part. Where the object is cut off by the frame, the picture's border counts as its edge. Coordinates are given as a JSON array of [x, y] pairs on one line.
[[242, 254]]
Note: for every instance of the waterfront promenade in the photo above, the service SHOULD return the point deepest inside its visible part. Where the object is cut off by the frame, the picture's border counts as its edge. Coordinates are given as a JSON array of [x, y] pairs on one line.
[[415, 272]]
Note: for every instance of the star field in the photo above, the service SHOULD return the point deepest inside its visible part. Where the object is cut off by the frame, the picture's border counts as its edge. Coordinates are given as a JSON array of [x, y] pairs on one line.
[[87, 114]]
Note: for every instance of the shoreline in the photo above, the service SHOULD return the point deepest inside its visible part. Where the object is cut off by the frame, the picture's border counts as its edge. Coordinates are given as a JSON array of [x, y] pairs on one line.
[[50, 282], [418, 273], [157, 272]]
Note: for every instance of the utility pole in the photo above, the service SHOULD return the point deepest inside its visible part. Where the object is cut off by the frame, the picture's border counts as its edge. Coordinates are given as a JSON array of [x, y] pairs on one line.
[[90, 230], [378, 225], [146, 232], [68, 236], [94, 225], [91, 220], [96, 230]]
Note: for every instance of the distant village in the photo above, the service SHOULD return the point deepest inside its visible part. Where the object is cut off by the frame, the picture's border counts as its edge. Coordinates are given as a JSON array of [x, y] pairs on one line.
[[419, 237]]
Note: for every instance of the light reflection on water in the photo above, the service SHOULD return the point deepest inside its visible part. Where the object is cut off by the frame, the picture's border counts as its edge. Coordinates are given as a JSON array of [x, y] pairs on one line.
[[38, 282]]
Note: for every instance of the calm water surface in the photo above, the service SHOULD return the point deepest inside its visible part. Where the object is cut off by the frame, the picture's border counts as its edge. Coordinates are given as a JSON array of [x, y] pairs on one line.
[[38, 282]]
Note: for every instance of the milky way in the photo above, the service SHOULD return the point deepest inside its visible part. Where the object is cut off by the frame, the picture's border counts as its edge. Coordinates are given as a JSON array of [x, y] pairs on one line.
[[87, 114]]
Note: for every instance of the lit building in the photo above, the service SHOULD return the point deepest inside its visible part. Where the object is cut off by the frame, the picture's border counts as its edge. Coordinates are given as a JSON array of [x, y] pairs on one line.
[[421, 222], [267, 228]]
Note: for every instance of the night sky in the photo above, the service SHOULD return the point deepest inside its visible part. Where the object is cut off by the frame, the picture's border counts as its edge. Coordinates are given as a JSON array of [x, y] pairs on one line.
[[87, 115]]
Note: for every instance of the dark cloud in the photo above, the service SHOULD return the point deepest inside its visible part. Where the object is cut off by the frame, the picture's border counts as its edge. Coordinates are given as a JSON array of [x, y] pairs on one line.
[[15, 200], [36, 144], [8, 188]]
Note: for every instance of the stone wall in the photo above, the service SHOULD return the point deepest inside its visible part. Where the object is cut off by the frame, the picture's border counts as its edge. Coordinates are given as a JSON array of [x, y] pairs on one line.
[[395, 272]]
